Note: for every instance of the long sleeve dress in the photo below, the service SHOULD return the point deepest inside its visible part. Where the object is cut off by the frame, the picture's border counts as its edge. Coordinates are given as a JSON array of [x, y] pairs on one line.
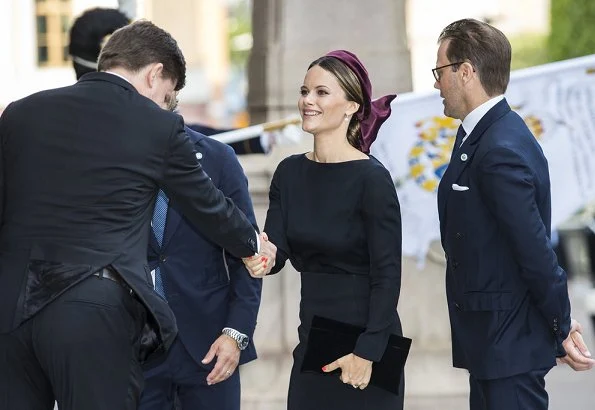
[[340, 226]]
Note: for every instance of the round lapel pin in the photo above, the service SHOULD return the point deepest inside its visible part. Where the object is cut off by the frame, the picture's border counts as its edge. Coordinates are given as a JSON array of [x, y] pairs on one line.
[[464, 157], [198, 155]]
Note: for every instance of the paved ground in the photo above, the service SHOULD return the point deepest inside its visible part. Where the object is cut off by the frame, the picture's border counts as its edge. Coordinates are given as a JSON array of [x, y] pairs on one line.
[[568, 390]]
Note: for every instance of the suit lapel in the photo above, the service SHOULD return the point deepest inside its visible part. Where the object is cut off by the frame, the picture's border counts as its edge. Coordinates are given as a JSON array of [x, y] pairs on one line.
[[171, 225], [153, 241], [462, 157]]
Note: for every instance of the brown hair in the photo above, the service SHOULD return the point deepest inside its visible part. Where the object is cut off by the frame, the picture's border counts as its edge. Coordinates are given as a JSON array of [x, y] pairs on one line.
[[485, 47], [353, 92], [141, 43]]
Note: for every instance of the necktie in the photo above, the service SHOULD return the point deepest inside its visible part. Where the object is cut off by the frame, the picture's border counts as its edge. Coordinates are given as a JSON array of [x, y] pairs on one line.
[[458, 140], [159, 217]]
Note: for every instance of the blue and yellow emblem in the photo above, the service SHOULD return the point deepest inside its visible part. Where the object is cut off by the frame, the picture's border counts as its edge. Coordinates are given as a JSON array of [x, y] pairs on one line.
[[430, 155]]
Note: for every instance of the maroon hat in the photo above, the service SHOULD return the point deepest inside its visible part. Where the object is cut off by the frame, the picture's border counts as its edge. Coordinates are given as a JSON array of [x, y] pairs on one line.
[[371, 114]]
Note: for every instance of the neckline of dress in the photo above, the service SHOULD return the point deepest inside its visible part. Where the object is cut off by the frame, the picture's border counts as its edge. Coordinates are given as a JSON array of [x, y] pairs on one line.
[[305, 156]]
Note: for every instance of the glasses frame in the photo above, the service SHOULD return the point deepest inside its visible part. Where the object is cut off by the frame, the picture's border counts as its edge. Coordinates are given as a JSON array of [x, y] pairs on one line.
[[436, 71]]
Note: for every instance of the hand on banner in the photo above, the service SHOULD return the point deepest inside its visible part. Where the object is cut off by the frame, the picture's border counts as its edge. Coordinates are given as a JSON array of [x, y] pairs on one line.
[[577, 356], [261, 264]]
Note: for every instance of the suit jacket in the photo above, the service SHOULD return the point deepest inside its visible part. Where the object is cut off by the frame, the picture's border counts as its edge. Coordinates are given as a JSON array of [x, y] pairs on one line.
[[206, 287], [80, 170], [507, 296]]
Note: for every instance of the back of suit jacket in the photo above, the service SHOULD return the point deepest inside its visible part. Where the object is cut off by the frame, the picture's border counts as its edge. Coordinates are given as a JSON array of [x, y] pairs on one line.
[[80, 170], [207, 288]]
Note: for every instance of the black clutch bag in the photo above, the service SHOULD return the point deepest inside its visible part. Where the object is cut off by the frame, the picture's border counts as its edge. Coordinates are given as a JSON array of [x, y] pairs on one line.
[[330, 340]]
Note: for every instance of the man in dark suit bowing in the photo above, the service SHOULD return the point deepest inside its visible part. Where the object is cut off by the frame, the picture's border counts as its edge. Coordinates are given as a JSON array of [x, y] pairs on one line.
[[507, 296], [213, 297], [79, 174]]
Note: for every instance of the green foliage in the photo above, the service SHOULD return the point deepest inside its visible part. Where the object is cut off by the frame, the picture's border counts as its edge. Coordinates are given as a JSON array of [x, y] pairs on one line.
[[573, 29], [240, 32], [528, 50]]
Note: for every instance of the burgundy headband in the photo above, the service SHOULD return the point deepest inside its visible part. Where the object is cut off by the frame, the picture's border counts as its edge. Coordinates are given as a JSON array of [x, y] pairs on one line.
[[371, 114]]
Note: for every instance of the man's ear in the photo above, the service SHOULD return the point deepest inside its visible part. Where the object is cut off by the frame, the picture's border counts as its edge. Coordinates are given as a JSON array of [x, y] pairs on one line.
[[467, 71], [153, 73]]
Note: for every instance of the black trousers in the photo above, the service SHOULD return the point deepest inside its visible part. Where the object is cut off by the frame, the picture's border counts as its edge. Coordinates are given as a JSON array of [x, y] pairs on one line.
[[81, 350], [521, 392], [181, 383]]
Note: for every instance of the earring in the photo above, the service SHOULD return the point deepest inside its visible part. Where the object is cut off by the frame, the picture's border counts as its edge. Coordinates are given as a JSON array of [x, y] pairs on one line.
[[347, 117]]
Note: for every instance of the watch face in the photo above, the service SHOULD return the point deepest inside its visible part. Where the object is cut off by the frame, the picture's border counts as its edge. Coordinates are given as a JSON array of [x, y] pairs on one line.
[[243, 343]]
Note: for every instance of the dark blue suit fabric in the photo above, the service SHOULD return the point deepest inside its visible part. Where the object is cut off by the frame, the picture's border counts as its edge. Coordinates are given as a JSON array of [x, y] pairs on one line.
[[206, 288], [507, 296]]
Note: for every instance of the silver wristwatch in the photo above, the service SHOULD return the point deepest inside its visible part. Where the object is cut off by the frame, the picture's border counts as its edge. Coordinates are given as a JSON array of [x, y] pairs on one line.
[[240, 338]]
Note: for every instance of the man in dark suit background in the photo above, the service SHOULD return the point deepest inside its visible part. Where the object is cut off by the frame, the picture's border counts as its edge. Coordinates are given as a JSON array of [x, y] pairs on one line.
[[213, 297], [87, 35], [79, 173], [507, 296]]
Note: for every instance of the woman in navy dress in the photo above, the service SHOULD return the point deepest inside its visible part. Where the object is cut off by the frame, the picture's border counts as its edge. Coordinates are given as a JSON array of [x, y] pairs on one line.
[[335, 215]]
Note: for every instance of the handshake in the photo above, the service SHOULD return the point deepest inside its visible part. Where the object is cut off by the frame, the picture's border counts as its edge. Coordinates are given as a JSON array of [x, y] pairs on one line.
[[261, 264]]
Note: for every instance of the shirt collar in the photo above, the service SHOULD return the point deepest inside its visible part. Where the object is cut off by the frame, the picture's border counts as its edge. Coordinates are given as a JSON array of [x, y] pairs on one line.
[[118, 75], [478, 113]]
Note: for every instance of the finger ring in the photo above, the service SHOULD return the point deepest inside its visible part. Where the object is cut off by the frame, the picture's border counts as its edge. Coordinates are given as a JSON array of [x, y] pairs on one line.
[[228, 373], [355, 386]]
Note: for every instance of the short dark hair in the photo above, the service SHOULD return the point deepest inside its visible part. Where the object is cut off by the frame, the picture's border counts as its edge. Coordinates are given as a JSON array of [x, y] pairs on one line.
[[351, 86], [87, 34], [141, 43], [485, 47]]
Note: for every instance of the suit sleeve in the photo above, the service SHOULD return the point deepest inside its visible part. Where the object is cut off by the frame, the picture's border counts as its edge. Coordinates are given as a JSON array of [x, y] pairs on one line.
[[216, 216], [245, 290], [2, 137], [508, 189], [275, 225], [382, 219]]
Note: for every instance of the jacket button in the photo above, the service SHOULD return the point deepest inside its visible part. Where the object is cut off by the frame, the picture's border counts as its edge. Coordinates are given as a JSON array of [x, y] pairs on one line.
[[459, 235], [457, 306], [162, 258], [455, 265]]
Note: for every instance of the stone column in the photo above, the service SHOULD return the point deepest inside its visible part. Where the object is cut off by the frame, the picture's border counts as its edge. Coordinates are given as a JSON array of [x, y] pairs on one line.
[[288, 35]]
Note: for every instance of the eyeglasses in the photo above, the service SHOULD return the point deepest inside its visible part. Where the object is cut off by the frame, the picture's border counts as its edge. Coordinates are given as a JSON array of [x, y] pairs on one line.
[[436, 71]]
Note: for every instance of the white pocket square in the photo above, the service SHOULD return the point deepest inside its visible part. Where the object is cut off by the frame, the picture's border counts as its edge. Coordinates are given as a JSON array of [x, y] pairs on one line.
[[457, 187]]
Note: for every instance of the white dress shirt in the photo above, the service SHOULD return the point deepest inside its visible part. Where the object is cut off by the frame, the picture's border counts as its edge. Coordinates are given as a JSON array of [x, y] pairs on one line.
[[118, 75], [477, 114]]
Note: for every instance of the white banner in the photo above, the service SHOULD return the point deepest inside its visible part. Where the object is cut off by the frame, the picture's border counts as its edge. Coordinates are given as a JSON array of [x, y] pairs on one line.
[[557, 101]]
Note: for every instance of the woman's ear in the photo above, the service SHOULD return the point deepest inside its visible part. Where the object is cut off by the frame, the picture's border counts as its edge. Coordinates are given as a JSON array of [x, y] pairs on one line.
[[352, 108]]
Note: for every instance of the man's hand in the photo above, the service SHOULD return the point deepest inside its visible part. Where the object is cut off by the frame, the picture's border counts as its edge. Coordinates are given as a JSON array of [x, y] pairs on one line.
[[228, 356], [355, 370], [262, 263], [577, 354]]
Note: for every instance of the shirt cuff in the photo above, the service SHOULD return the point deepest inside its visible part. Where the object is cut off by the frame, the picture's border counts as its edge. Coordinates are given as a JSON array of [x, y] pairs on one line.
[[257, 243]]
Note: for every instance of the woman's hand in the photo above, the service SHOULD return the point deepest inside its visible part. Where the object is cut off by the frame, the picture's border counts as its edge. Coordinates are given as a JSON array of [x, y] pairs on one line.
[[262, 263], [354, 370]]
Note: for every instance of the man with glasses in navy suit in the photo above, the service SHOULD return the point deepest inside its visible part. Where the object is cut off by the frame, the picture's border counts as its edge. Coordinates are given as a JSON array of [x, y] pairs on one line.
[[507, 296]]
